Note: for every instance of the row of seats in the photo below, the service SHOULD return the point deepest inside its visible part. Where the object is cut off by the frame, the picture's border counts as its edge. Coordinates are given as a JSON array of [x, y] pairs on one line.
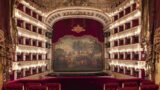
[[32, 86], [81, 83], [131, 86]]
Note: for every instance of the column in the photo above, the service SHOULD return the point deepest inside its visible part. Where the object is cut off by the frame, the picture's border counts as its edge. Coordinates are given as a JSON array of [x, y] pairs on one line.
[[43, 44], [43, 57], [36, 42], [24, 24], [118, 42], [131, 71], [37, 56], [124, 27], [24, 8], [112, 68], [15, 57], [131, 8], [24, 41], [131, 37], [31, 42], [24, 56], [124, 70], [15, 74], [42, 67], [31, 26], [24, 72], [37, 70], [140, 55], [131, 55], [139, 73], [118, 55], [124, 12], [31, 56], [118, 15], [131, 23], [118, 69], [124, 55], [31, 12], [31, 70], [125, 41]]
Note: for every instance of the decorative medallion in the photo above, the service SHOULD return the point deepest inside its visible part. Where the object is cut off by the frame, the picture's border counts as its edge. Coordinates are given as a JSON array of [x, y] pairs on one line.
[[78, 29], [1, 36]]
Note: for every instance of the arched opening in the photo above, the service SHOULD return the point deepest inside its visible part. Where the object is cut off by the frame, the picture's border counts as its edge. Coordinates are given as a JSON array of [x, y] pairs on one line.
[[78, 45]]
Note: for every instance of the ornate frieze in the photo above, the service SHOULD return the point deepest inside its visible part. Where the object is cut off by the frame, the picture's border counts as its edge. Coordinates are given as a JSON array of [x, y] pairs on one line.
[[77, 12]]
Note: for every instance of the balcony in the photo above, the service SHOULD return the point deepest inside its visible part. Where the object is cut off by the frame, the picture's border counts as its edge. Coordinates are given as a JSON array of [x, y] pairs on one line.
[[126, 33]]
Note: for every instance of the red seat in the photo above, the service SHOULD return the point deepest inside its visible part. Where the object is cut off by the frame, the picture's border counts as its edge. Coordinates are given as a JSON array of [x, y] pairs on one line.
[[147, 82], [128, 88], [130, 84], [149, 87], [36, 87], [53, 86], [111, 86], [28, 86], [32, 84], [14, 86]]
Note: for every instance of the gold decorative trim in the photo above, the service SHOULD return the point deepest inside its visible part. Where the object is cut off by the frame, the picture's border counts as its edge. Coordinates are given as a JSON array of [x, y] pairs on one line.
[[157, 40], [78, 29], [1, 36]]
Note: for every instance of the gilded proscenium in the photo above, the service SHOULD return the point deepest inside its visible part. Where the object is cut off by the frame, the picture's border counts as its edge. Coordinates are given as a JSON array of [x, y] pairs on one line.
[[78, 29]]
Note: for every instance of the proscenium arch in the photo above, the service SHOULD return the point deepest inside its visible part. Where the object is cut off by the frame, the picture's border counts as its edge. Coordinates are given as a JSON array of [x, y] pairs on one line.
[[78, 12]]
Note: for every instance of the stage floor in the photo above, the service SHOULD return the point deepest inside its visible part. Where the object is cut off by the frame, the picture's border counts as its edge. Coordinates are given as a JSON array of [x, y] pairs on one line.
[[72, 74]]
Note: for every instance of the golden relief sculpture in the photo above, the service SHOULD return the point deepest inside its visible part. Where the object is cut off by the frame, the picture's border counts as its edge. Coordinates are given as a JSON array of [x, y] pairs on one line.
[[157, 41], [7, 45], [78, 29], [150, 38], [49, 5], [1, 36]]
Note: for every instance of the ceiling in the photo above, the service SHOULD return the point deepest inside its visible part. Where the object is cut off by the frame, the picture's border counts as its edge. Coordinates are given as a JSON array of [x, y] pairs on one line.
[[50, 5]]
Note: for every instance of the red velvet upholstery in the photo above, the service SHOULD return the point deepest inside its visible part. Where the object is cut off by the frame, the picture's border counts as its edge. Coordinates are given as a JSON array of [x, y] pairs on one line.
[[147, 82], [82, 83], [149, 87], [35, 87], [128, 88], [14, 86], [53, 86], [111, 86], [131, 84]]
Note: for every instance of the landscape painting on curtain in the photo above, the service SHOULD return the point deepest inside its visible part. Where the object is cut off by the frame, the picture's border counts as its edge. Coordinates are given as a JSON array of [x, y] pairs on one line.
[[75, 54]]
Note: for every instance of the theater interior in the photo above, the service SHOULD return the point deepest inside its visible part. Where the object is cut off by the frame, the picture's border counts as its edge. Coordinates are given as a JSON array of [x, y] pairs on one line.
[[79, 44]]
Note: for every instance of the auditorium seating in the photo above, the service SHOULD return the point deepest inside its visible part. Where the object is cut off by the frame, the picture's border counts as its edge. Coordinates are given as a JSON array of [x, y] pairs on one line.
[[53, 86], [35, 87], [149, 87], [81, 83], [111, 86], [128, 88], [14, 86]]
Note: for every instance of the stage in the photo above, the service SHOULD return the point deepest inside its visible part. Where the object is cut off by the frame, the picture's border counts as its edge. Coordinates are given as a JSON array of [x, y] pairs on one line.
[[77, 74]]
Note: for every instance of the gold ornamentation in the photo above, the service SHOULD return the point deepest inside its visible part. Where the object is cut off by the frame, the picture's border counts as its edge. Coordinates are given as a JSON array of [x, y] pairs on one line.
[[49, 5], [1, 36], [78, 29], [157, 41]]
